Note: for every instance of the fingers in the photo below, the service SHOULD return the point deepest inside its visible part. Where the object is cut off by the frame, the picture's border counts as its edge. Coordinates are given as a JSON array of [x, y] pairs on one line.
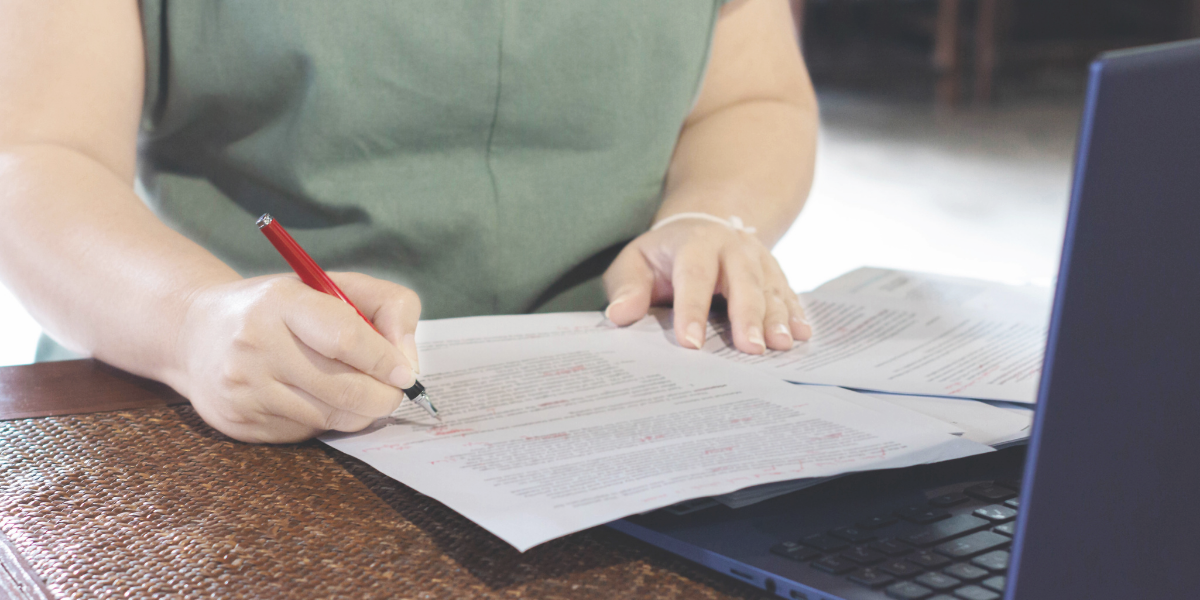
[[778, 333], [801, 329], [764, 312], [797, 320], [309, 411], [336, 385], [694, 277], [289, 414], [628, 282], [333, 329], [743, 287], [394, 309]]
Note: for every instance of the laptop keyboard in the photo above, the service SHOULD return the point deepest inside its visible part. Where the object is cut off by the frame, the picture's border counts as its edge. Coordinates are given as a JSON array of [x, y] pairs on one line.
[[923, 552]]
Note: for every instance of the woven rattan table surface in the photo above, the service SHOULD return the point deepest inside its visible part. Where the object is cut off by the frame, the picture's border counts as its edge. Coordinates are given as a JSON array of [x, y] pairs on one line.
[[153, 503]]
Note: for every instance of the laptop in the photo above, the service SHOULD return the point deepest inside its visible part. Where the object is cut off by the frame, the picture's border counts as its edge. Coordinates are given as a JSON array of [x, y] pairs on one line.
[[1104, 502]]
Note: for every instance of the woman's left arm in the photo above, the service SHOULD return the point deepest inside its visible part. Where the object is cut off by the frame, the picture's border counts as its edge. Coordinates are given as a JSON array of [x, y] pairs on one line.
[[747, 150]]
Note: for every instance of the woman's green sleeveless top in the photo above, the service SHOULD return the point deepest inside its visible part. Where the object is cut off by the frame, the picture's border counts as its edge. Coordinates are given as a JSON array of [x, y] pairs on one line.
[[492, 155]]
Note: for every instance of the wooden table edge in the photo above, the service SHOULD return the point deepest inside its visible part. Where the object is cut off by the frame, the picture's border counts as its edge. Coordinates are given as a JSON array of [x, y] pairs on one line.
[[76, 387]]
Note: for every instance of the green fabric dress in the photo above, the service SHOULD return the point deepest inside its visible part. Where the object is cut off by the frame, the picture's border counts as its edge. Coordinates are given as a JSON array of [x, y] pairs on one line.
[[492, 155]]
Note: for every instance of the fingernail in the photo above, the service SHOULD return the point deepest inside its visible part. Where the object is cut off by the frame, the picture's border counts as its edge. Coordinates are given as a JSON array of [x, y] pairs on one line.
[[618, 300], [402, 377], [755, 335], [409, 347], [801, 329], [695, 335], [782, 329]]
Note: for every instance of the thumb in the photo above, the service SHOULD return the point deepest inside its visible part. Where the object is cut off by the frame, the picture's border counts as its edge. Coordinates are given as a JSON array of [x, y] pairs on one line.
[[628, 282], [393, 309]]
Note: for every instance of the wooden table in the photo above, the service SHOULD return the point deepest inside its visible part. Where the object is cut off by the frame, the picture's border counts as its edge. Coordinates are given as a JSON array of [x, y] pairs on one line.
[[112, 487]]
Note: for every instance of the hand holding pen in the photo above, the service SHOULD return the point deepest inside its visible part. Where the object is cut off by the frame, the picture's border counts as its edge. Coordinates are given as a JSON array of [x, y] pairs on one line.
[[316, 278], [271, 360]]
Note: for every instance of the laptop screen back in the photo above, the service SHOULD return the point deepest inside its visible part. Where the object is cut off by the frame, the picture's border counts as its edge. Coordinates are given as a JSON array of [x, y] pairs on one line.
[[1112, 487]]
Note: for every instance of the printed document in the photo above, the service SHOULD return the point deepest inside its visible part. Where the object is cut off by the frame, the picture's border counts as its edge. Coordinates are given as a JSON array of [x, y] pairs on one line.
[[941, 290], [885, 344], [555, 423], [977, 421]]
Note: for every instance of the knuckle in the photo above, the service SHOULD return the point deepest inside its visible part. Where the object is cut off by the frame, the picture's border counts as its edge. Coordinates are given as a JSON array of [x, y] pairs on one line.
[[245, 337], [695, 270], [272, 290], [381, 363], [352, 396], [775, 293], [407, 297], [333, 421], [344, 342], [694, 306], [753, 277], [232, 375], [344, 421]]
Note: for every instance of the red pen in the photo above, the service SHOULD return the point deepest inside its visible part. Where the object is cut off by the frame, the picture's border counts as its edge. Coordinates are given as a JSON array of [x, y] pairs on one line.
[[316, 278]]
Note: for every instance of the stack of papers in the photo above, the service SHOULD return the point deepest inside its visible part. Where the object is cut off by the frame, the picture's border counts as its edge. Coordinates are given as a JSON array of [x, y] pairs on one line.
[[556, 423]]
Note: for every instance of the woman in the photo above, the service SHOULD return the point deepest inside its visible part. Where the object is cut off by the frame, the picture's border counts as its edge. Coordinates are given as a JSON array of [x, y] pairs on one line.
[[490, 157]]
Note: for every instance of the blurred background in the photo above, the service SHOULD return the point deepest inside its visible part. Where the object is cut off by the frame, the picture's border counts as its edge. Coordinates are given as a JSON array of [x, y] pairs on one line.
[[948, 133]]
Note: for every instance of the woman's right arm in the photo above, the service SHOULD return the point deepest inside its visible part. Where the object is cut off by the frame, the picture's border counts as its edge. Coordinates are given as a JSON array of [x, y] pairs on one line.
[[264, 359]]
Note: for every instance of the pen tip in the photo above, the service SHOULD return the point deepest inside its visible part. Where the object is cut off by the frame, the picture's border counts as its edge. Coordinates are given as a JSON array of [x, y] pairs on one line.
[[423, 401]]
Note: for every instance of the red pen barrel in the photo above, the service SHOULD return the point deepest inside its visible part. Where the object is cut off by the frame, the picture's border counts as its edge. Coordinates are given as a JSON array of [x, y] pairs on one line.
[[312, 274], [303, 264]]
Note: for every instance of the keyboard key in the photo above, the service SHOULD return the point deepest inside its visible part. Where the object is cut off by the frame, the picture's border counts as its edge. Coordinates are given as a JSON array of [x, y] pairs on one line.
[[890, 547], [871, 577], [907, 590], [989, 492], [928, 560], [974, 592], [835, 564], [945, 500], [1009, 529], [824, 542], [943, 597], [944, 530], [937, 581], [853, 535], [922, 514], [864, 555], [878, 522], [900, 568], [996, 584], [1013, 503], [966, 572], [976, 543], [1012, 484], [996, 560], [996, 513], [795, 551]]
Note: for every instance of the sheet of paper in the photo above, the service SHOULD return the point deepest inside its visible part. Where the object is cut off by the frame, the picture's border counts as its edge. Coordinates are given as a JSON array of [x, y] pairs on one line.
[[979, 421], [941, 290], [556, 423], [897, 413], [882, 344]]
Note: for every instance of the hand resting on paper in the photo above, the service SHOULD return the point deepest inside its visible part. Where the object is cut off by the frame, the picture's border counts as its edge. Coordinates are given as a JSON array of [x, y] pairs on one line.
[[271, 360], [686, 262], [747, 148]]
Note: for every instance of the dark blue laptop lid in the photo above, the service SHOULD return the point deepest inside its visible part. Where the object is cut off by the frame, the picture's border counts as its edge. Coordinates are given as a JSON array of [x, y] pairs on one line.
[[1111, 501]]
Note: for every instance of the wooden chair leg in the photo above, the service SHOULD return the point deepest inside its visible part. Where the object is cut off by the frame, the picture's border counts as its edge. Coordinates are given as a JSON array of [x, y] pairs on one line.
[[985, 50], [945, 54]]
